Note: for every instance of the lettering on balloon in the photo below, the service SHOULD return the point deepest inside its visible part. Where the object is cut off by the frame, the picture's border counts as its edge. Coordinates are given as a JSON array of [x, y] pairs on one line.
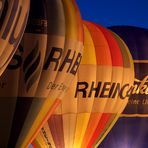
[[57, 86], [53, 57], [32, 66], [37, 26], [70, 62], [3, 11], [16, 61], [145, 101], [46, 137], [69, 59], [38, 22], [139, 92], [103, 90], [13, 39], [133, 101], [11, 19], [141, 86]]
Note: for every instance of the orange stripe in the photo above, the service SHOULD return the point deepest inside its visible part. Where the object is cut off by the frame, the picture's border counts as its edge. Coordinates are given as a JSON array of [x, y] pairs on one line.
[[93, 122], [103, 57], [99, 128], [117, 60], [101, 46], [114, 48]]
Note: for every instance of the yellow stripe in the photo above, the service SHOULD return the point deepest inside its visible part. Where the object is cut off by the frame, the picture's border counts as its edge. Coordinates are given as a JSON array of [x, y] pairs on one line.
[[82, 121], [38, 143], [134, 115], [71, 23], [84, 107], [89, 55], [41, 141], [140, 61]]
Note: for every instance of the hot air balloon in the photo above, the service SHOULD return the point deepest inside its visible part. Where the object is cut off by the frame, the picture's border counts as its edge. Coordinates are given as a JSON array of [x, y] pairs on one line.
[[99, 92], [115, 106], [12, 25], [131, 130], [42, 69]]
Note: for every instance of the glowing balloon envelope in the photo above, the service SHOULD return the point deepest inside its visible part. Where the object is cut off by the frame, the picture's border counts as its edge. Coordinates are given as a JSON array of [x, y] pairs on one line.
[[117, 99], [61, 63], [99, 86], [69, 110], [41, 70]]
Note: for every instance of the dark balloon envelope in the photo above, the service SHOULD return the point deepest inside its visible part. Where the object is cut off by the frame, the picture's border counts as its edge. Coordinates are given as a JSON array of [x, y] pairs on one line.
[[131, 130], [2, 5]]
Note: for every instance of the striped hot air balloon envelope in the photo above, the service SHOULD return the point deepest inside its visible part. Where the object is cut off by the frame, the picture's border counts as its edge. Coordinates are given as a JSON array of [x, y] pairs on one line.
[[12, 24], [41, 70], [122, 65], [131, 129], [121, 102], [98, 95]]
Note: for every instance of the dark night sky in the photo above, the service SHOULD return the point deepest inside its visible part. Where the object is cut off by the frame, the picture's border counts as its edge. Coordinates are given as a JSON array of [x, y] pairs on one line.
[[115, 12]]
